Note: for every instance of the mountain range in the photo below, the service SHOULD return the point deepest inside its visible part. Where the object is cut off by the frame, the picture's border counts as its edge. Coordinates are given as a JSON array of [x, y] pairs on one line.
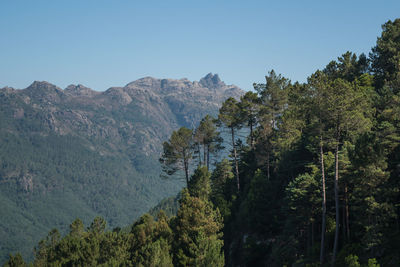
[[77, 152]]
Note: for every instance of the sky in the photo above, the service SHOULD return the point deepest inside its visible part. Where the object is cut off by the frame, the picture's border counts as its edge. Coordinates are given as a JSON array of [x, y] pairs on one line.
[[101, 43]]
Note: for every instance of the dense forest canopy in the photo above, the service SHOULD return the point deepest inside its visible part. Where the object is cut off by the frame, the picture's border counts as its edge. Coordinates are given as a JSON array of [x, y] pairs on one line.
[[316, 183]]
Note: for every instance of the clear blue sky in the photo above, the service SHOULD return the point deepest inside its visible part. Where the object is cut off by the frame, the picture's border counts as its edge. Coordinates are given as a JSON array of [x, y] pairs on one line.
[[110, 43]]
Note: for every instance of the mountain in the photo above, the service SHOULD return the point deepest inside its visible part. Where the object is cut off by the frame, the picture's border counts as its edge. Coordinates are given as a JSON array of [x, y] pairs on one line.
[[77, 152]]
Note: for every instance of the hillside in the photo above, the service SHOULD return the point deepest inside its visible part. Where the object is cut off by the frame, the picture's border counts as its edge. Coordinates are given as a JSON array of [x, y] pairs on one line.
[[77, 152]]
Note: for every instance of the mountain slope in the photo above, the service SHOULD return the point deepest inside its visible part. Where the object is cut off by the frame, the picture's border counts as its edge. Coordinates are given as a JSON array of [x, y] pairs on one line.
[[79, 153]]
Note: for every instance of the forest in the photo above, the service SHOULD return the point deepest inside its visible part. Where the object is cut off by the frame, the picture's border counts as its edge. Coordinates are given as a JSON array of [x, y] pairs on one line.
[[314, 183]]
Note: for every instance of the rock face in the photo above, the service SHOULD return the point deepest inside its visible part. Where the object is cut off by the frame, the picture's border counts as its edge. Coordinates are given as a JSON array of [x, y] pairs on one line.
[[78, 152]]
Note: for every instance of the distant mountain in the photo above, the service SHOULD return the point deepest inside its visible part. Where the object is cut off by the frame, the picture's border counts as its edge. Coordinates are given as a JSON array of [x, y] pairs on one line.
[[79, 153]]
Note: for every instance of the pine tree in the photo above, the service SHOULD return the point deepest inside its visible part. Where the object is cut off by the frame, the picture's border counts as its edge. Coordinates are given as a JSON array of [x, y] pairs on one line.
[[385, 56], [151, 242], [222, 188], [229, 115], [15, 261], [206, 134], [303, 197], [250, 105], [199, 185], [177, 152], [197, 233], [273, 98], [347, 108]]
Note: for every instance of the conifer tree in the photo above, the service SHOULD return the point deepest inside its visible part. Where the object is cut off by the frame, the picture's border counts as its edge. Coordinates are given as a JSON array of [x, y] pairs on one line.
[[15, 261], [347, 110], [222, 189], [250, 105], [151, 242], [273, 98], [197, 230], [199, 185], [206, 134], [177, 152], [318, 83], [385, 56], [229, 115]]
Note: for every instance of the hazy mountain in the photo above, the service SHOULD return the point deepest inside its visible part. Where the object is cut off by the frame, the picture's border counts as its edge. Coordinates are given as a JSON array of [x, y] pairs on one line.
[[76, 152]]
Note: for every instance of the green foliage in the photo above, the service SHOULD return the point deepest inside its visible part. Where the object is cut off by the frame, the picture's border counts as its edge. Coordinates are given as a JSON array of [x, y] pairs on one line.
[[151, 242], [229, 114], [250, 107], [223, 190], [385, 56], [199, 185], [15, 261], [168, 205], [192, 238], [348, 67], [352, 261], [206, 135], [303, 199], [177, 152], [373, 263], [80, 247], [273, 96], [197, 233]]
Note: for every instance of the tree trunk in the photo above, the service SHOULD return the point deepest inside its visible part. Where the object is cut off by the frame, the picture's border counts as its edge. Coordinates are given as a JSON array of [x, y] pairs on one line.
[[346, 202], [312, 234], [335, 244], [308, 242], [321, 255], [198, 147], [204, 154], [251, 135], [186, 166], [208, 156], [235, 158], [343, 221], [268, 174]]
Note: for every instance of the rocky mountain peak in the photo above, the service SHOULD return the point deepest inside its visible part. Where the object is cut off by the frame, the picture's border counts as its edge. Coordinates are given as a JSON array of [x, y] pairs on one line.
[[146, 82], [44, 92], [7, 89], [43, 85], [211, 81], [80, 90]]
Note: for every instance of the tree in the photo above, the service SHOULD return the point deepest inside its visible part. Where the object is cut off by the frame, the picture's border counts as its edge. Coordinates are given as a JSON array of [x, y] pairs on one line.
[[318, 83], [151, 241], [77, 228], [385, 56], [45, 251], [229, 115], [206, 134], [347, 108], [222, 189], [294, 118], [250, 105], [273, 97], [177, 152], [197, 229], [303, 197], [98, 226], [15, 261], [347, 67], [199, 185]]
